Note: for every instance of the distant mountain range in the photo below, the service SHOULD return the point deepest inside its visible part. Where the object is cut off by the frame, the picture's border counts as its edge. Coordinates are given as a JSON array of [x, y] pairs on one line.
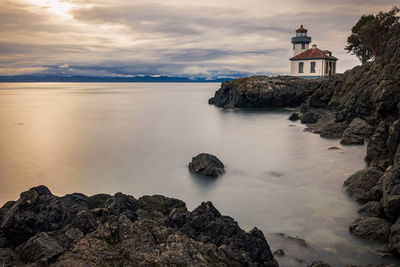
[[30, 78]]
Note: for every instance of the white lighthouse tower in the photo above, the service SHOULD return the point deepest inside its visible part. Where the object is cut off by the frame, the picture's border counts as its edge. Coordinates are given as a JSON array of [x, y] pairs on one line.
[[301, 41]]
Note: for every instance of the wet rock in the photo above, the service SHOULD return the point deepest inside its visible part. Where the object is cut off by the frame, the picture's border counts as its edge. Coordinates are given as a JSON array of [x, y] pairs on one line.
[[358, 128], [279, 253], [207, 165], [371, 228], [362, 182], [371, 209], [332, 129], [391, 192], [352, 140], [309, 117], [295, 239], [357, 131], [318, 264], [358, 184], [294, 117]]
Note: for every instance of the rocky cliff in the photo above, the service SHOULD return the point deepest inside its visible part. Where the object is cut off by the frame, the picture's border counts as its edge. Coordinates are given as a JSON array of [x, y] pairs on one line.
[[363, 104], [41, 229]]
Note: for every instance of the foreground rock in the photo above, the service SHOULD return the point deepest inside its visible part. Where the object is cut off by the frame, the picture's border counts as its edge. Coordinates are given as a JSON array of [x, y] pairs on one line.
[[360, 184], [207, 165], [371, 228], [76, 230]]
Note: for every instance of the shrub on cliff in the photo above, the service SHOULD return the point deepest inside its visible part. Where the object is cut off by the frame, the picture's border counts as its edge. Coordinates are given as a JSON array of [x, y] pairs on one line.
[[369, 32]]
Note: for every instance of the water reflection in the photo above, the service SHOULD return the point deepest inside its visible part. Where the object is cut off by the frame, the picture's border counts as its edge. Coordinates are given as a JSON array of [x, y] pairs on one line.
[[138, 138]]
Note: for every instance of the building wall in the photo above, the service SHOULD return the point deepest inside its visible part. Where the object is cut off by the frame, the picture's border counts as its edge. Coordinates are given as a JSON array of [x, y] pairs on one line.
[[297, 49], [319, 68]]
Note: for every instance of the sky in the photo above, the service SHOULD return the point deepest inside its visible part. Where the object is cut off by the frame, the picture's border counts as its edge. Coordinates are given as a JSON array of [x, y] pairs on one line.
[[202, 38]]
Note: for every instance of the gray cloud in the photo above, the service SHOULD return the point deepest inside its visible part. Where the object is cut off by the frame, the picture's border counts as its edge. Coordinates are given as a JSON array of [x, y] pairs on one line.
[[177, 37]]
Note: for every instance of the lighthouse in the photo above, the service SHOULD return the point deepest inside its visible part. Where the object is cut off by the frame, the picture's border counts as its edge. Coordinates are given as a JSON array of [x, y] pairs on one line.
[[310, 63], [301, 41]]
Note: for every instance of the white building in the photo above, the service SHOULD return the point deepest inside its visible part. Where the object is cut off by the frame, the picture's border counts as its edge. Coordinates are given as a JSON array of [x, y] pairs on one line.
[[310, 63]]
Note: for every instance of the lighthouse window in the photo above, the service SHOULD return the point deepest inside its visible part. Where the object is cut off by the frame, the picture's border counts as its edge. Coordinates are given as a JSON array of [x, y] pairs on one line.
[[303, 46], [312, 68], [301, 66]]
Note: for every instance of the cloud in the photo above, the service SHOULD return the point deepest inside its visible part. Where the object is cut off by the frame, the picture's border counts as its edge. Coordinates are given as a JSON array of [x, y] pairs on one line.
[[150, 37]]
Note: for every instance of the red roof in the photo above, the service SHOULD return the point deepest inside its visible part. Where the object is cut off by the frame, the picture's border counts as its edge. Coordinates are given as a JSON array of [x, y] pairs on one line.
[[301, 29], [314, 53]]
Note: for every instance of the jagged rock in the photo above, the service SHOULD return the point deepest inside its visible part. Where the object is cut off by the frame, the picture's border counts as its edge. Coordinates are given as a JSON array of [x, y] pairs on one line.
[[262, 91], [122, 231], [361, 182], [8, 258], [393, 138], [391, 192], [207, 165], [377, 150], [371, 228], [371, 209], [359, 127], [41, 248], [332, 129], [309, 117], [294, 117], [394, 239]]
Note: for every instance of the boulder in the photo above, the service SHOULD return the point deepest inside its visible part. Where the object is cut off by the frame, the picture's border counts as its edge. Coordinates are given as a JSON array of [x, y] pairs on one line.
[[391, 192], [41, 248], [207, 165], [352, 140], [294, 117], [361, 182], [332, 129], [309, 117], [357, 131], [371, 209], [371, 228]]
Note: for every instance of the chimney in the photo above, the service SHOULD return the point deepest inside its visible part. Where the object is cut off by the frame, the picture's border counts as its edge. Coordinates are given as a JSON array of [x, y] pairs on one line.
[[314, 46]]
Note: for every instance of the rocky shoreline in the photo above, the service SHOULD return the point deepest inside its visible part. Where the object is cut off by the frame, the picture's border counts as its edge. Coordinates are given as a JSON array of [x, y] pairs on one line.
[[41, 229], [361, 105]]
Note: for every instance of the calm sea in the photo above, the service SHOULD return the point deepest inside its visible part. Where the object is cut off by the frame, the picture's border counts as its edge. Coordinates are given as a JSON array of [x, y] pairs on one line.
[[138, 138]]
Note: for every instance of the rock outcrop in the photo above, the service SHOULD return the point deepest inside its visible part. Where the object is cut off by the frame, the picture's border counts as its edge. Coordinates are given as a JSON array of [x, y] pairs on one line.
[[41, 229], [207, 165], [262, 91], [362, 104]]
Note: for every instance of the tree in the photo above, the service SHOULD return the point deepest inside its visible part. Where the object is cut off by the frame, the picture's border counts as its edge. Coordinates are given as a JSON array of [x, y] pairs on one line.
[[369, 33]]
